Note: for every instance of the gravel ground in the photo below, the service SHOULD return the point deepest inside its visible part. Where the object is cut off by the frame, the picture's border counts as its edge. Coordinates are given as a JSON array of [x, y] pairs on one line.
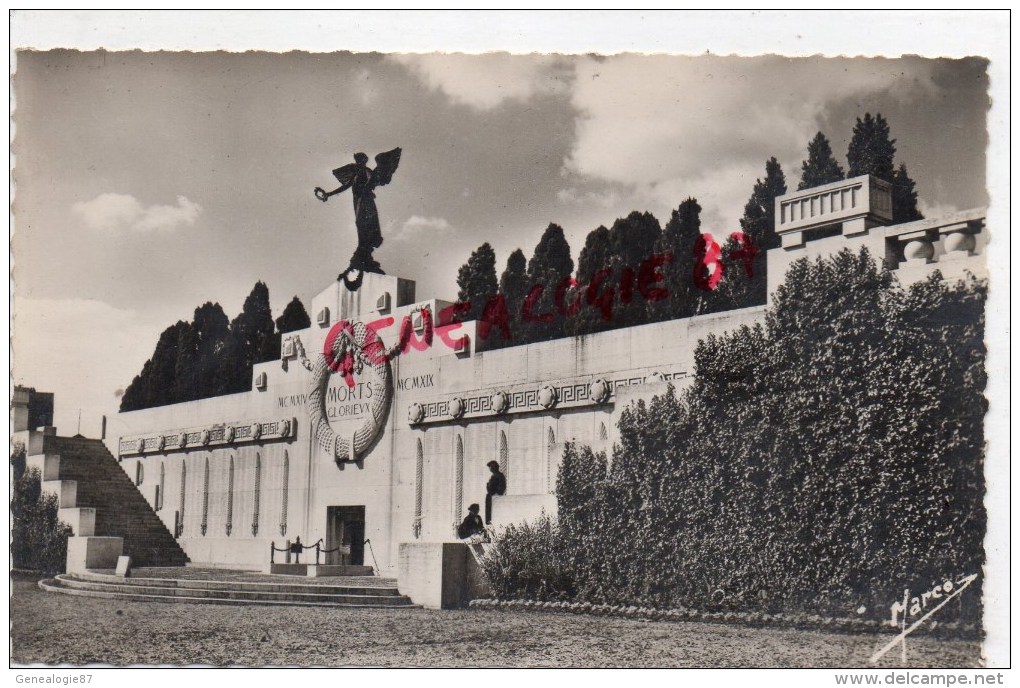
[[51, 628]]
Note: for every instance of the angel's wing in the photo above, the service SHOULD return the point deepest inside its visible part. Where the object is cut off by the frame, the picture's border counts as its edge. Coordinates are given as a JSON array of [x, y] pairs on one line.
[[345, 174], [385, 165]]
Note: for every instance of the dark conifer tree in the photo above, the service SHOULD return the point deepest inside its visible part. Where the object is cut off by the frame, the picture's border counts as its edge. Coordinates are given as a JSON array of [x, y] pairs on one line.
[[513, 287], [678, 239], [759, 220], [595, 260], [550, 265], [293, 318], [820, 167], [871, 150], [904, 197], [156, 384], [738, 289], [198, 353], [477, 281], [252, 340], [633, 240]]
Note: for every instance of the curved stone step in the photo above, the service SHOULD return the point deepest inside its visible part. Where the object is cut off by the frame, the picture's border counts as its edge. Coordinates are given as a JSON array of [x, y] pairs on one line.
[[236, 594], [373, 588], [238, 598]]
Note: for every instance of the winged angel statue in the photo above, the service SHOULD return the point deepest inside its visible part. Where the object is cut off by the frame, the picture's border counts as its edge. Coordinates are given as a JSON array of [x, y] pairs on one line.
[[362, 182]]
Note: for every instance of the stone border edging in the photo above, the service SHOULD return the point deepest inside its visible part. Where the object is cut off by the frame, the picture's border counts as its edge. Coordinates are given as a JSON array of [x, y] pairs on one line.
[[759, 619]]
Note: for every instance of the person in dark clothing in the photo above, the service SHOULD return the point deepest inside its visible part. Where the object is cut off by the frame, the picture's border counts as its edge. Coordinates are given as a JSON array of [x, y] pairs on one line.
[[495, 486], [472, 524]]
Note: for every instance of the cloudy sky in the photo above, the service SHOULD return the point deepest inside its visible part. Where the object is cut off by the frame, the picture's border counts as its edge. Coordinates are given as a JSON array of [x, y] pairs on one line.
[[149, 183]]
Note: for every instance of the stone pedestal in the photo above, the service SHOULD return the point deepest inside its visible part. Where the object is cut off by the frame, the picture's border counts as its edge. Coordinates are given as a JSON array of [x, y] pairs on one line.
[[92, 552], [438, 575]]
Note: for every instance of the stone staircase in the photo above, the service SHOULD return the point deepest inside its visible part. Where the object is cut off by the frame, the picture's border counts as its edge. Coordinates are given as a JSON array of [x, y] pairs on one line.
[[352, 592], [97, 498]]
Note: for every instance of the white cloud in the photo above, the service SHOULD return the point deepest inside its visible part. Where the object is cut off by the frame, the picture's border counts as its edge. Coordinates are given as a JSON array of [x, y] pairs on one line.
[[704, 126], [573, 196], [417, 226], [936, 209], [114, 212], [485, 81], [83, 351]]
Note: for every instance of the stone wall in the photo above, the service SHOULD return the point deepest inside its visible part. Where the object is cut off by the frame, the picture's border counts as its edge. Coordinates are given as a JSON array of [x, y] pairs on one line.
[[453, 408]]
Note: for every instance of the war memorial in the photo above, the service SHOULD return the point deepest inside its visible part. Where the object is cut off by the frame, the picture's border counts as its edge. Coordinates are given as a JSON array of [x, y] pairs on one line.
[[373, 432]]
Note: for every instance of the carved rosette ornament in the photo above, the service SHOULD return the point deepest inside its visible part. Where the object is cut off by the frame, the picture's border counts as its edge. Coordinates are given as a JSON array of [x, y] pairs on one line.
[[655, 377], [228, 434], [500, 402], [353, 342], [415, 413], [256, 430], [206, 436], [547, 396], [182, 440], [456, 407], [598, 391], [285, 427], [161, 443]]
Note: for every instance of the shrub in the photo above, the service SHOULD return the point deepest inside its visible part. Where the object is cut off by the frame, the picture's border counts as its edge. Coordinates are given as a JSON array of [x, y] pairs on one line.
[[819, 462], [525, 562], [38, 537]]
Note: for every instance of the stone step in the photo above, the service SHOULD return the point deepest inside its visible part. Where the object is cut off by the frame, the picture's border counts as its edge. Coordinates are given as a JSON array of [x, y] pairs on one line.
[[372, 588], [310, 594], [229, 597]]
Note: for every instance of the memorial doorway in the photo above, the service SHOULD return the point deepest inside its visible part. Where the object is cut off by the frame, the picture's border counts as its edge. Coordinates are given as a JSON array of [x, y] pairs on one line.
[[345, 532]]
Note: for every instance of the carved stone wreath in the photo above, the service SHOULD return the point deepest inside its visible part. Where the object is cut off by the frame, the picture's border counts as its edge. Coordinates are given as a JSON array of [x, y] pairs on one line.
[[350, 342], [456, 407], [548, 396], [500, 402], [599, 391], [415, 413]]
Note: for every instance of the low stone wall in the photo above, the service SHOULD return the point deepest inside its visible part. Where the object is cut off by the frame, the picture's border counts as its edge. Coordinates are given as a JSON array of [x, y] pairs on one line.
[[439, 575]]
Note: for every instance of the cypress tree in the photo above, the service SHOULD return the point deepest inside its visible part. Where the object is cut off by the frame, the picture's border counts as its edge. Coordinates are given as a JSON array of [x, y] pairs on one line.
[[871, 150], [294, 317], [477, 281], [633, 240], [156, 384], [904, 197], [197, 356], [550, 265], [596, 257], [820, 167], [513, 287], [252, 340], [738, 289], [678, 238]]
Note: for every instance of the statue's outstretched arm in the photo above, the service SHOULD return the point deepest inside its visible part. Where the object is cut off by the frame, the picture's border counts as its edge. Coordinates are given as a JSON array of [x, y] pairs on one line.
[[324, 195]]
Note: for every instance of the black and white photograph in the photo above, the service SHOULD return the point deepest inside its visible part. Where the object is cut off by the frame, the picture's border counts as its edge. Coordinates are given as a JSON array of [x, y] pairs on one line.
[[391, 348]]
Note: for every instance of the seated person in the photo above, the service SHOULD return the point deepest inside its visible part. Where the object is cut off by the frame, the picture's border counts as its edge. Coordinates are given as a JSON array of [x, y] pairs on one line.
[[472, 524]]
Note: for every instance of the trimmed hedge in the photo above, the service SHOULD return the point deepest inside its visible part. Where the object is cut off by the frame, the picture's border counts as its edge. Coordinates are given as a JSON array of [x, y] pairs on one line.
[[819, 463]]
